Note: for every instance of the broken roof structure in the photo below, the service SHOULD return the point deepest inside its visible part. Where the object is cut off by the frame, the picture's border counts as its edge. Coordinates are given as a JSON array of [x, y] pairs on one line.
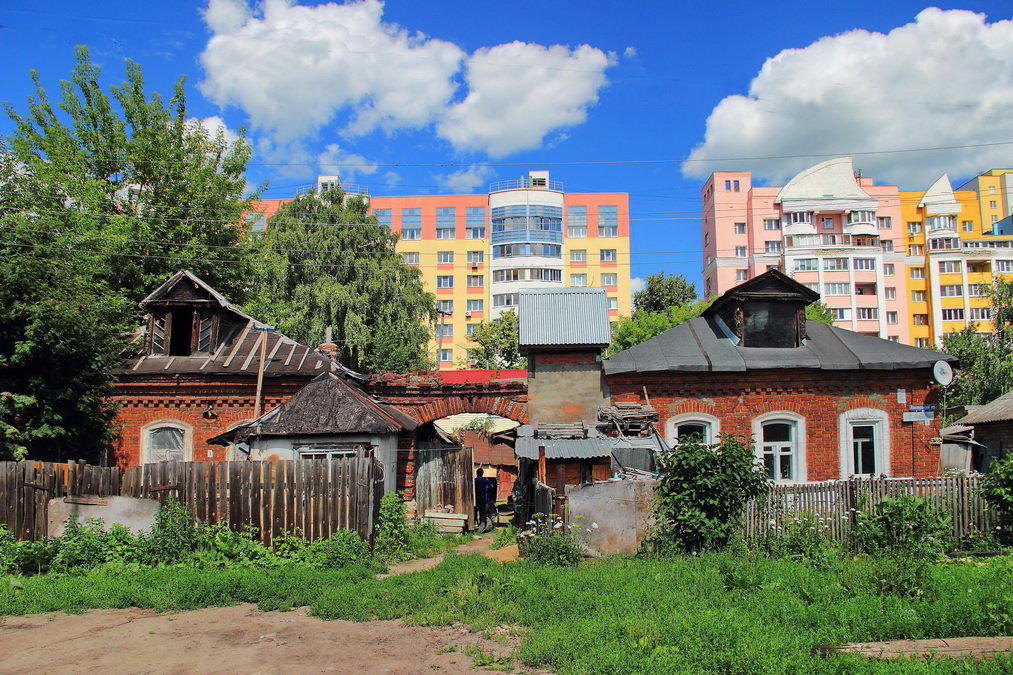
[[193, 329], [999, 410], [327, 406], [759, 325]]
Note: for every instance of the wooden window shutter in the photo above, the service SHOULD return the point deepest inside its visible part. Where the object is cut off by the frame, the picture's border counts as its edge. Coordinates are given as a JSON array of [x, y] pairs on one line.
[[205, 337], [157, 334]]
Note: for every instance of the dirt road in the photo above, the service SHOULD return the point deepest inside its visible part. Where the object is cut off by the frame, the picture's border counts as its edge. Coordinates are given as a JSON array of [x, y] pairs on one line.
[[231, 640]]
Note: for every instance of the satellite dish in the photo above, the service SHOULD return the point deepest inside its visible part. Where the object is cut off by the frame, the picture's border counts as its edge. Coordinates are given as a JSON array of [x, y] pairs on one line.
[[943, 373]]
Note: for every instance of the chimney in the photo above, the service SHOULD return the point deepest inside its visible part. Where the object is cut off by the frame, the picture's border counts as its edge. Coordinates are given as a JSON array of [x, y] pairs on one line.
[[328, 348]]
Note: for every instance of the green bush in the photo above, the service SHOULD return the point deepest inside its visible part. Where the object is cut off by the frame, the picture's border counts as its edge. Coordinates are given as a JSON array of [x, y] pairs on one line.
[[175, 535], [702, 494], [342, 549], [549, 542], [10, 557], [503, 537], [997, 489], [801, 538], [906, 526], [89, 544], [392, 541], [218, 546]]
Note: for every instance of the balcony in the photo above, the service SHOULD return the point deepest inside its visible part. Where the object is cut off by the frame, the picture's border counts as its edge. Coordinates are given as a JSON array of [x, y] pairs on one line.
[[509, 236], [526, 183], [829, 241]]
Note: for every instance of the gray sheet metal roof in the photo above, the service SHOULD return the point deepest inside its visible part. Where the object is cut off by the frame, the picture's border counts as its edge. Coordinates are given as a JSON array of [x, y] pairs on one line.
[[699, 345], [563, 448], [999, 410], [564, 316]]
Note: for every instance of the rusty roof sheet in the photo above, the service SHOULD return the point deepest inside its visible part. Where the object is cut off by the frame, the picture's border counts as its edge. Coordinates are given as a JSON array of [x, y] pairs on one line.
[[564, 317], [999, 410]]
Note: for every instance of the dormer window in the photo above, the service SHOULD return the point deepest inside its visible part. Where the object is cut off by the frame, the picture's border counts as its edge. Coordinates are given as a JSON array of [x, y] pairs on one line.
[[767, 312]]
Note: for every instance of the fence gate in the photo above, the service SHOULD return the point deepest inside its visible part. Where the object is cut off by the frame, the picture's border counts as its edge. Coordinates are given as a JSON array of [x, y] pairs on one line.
[[445, 478]]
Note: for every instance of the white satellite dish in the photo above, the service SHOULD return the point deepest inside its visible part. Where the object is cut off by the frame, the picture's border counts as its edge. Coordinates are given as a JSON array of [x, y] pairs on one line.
[[943, 373]]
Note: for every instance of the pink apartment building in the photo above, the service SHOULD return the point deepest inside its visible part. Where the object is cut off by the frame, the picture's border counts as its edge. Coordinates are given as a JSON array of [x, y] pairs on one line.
[[830, 229]]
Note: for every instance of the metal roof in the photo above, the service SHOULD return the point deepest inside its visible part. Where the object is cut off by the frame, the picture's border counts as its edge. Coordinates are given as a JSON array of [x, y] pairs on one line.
[[564, 317], [999, 410], [700, 345], [563, 448]]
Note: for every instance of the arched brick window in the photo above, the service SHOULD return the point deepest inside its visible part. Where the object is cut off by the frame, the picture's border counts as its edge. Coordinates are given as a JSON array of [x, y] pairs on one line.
[[166, 440]]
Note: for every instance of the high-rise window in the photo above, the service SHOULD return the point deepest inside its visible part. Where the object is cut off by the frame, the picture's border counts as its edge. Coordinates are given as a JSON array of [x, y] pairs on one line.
[[607, 255], [891, 317], [576, 221], [884, 223], [953, 314], [772, 223], [445, 281], [613, 303], [476, 281], [867, 313], [444, 330], [949, 267], [446, 355], [383, 216], [474, 222], [411, 224], [917, 272], [410, 257], [865, 263], [772, 246], [741, 275], [445, 306], [835, 264], [838, 289], [806, 264], [840, 313], [919, 296], [445, 257], [578, 255], [608, 220], [968, 226], [740, 251], [476, 257], [578, 280], [609, 279], [476, 305], [740, 228], [951, 291], [888, 269], [890, 293], [446, 222]]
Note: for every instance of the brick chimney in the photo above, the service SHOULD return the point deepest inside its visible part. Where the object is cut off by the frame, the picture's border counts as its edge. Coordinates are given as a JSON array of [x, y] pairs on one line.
[[328, 348]]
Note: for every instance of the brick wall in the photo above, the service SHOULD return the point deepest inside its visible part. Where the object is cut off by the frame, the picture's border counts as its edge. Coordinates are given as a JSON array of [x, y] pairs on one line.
[[819, 396]]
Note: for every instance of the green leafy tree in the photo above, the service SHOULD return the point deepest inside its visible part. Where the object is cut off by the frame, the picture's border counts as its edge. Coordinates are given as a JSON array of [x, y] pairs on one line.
[[102, 196], [986, 359], [642, 326], [663, 292], [702, 494], [498, 344], [132, 177], [327, 263], [818, 311]]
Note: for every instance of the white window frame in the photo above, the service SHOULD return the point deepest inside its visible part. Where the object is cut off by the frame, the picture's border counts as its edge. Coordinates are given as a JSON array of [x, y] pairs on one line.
[[713, 427], [173, 424], [880, 420], [800, 466]]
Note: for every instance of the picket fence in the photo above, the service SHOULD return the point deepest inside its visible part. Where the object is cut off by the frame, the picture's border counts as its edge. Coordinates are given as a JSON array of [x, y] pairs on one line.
[[315, 497], [837, 503]]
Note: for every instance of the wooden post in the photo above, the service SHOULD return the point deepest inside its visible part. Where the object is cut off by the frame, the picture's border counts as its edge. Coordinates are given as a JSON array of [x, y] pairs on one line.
[[260, 376], [541, 464]]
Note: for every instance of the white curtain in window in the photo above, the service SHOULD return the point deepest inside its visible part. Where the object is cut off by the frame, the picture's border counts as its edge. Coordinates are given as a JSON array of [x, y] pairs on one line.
[[165, 444]]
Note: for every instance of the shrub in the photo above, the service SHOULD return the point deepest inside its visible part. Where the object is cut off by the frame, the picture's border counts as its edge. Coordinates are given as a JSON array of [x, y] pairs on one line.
[[802, 538], [341, 549], [219, 545], [550, 543], [9, 554], [392, 542], [88, 545], [905, 526], [702, 494], [175, 535], [503, 537], [997, 489]]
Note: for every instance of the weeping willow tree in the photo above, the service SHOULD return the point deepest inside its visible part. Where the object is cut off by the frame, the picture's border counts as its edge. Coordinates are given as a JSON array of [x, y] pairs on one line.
[[326, 263]]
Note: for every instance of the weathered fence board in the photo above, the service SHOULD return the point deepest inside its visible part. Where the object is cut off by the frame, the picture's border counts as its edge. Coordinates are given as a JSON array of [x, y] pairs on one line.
[[837, 502], [444, 478], [315, 496]]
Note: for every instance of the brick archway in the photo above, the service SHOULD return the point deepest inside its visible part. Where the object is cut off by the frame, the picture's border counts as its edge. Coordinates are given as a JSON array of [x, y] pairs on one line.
[[427, 401]]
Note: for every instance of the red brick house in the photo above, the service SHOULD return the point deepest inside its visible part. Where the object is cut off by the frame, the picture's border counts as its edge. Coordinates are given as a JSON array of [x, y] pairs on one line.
[[195, 374], [820, 402]]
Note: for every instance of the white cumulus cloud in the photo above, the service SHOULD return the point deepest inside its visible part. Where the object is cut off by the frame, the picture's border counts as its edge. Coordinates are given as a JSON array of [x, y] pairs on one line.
[[946, 79], [336, 161], [519, 92], [467, 179], [215, 125], [294, 69]]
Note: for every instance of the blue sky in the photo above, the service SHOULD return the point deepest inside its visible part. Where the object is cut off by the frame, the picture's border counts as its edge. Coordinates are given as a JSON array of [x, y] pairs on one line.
[[418, 97]]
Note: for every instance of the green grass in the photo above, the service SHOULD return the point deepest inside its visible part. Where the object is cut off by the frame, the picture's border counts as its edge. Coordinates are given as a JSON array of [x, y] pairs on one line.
[[712, 613]]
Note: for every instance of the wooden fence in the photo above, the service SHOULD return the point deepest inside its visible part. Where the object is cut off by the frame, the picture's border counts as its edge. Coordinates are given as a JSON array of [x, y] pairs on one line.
[[314, 496], [837, 502], [444, 477]]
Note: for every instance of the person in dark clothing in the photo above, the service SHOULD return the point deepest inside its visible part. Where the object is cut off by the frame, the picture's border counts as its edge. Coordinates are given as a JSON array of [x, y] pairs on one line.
[[485, 501]]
